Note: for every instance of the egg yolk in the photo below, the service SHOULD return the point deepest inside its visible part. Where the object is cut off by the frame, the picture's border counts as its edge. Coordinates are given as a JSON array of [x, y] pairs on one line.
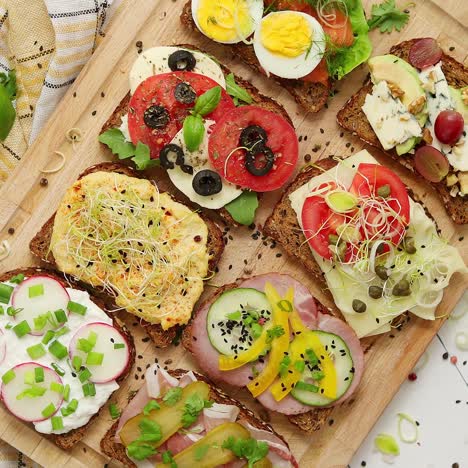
[[225, 20], [286, 34]]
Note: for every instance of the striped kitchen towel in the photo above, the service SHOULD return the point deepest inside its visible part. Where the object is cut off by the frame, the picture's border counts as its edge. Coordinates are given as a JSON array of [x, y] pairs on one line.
[[47, 43]]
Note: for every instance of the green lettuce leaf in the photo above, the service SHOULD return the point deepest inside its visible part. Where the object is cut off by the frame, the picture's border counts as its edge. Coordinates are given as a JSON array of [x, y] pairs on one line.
[[243, 208], [346, 59]]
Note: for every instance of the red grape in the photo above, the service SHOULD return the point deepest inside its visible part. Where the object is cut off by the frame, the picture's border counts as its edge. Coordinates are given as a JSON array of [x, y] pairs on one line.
[[431, 163], [424, 53], [449, 127]]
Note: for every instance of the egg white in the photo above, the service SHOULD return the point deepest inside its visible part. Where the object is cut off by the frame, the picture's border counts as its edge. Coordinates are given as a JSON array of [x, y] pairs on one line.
[[154, 61], [256, 13], [291, 67]]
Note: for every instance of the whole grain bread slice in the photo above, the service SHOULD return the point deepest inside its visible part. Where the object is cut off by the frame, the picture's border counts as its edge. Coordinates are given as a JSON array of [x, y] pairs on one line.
[[352, 118], [311, 96], [259, 99], [40, 246], [117, 451], [70, 439]]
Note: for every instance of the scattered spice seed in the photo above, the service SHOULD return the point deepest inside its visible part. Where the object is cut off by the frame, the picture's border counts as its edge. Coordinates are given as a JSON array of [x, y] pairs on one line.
[[93, 113], [11, 231], [451, 50], [307, 158], [454, 359], [44, 182], [139, 44], [445, 356]]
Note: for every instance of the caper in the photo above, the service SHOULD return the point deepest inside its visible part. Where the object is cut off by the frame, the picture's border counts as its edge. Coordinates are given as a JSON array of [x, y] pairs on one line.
[[333, 239], [375, 292], [381, 272], [384, 191], [359, 306], [409, 246], [402, 288]]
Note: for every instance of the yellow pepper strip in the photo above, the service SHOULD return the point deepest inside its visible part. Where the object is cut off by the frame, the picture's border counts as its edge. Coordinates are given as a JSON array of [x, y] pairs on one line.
[[279, 345]]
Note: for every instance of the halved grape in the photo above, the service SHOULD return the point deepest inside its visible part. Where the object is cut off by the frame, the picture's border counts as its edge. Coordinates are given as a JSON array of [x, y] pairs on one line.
[[424, 53], [449, 126], [431, 163]]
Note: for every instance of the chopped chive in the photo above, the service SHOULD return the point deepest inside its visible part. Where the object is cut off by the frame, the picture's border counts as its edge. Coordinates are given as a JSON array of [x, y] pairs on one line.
[[58, 369], [76, 363], [57, 423], [48, 411], [119, 345], [36, 351], [256, 329], [84, 345], [48, 336], [34, 391], [29, 378], [63, 331], [22, 329], [36, 290], [89, 389], [5, 293], [77, 308], [114, 411], [94, 359], [61, 316], [39, 374], [58, 350], [56, 387], [311, 357], [66, 392], [299, 366], [306, 386], [8, 376], [40, 322], [84, 375], [18, 279], [2, 310], [11, 311], [70, 408], [317, 375], [8, 326], [235, 316], [92, 338]]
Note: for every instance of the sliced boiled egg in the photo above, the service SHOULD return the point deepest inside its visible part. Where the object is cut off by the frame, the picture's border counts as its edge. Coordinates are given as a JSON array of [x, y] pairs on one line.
[[289, 44], [198, 160], [227, 21], [155, 61]]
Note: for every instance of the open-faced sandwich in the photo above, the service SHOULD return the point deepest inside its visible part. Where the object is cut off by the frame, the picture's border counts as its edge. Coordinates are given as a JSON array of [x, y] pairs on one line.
[[415, 107], [269, 334], [119, 234], [62, 355], [220, 141], [303, 45], [179, 419], [354, 224]]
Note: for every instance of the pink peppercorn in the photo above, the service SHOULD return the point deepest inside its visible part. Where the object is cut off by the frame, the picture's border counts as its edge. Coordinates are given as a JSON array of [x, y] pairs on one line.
[[454, 359], [412, 377]]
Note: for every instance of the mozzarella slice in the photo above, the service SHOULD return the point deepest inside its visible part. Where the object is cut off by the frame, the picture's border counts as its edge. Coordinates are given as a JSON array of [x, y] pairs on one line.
[[154, 61], [199, 161]]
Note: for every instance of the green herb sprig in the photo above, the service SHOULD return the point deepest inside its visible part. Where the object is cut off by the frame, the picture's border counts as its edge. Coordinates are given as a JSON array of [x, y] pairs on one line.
[[387, 16]]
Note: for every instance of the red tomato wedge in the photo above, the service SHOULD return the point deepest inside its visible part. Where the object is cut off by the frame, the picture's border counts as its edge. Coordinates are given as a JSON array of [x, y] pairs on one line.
[[158, 90], [366, 183], [230, 162]]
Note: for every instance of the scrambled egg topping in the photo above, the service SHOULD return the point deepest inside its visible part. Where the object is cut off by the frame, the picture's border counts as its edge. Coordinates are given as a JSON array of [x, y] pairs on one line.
[[120, 233]]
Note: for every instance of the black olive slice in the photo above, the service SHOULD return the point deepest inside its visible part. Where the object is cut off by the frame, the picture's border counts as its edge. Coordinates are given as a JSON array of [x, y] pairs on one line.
[[253, 137], [184, 93], [156, 117], [187, 169], [260, 163], [207, 183], [181, 60], [170, 155]]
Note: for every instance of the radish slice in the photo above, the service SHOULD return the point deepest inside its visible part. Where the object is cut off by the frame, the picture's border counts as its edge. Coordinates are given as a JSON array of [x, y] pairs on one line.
[[3, 346], [48, 296], [110, 343], [30, 408]]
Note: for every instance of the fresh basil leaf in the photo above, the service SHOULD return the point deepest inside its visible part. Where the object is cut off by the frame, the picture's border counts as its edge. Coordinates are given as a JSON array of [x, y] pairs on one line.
[[208, 101], [142, 158], [115, 140], [243, 208], [236, 91], [194, 131], [7, 113]]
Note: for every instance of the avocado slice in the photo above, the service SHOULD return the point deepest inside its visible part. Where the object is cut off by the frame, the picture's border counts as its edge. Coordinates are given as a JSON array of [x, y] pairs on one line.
[[460, 106], [407, 146], [395, 70]]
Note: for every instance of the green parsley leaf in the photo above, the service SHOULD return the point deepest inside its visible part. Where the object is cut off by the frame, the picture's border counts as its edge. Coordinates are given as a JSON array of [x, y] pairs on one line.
[[200, 452], [172, 396], [250, 449], [386, 16], [193, 407], [150, 406], [140, 451], [208, 101], [142, 158], [115, 140], [236, 91], [274, 332], [243, 208], [150, 431], [167, 459], [18, 279]]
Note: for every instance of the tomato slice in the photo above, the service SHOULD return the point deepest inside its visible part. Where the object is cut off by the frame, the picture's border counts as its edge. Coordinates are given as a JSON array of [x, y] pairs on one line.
[[366, 183], [231, 162], [159, 90]]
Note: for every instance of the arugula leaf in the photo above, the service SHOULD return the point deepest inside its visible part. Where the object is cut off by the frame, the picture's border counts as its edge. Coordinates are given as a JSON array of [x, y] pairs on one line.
[[243, 208], [193, 407], [172, 396], [150, 406], [250, 449], [208, 101], [194, 131], [236, 91], [142, 158], [386, 16], [200, 452]]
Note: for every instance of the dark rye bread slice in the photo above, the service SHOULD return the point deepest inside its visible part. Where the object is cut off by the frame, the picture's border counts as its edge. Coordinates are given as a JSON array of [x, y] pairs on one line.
[[352, 118], [40, 246], [117, 451], [308, 422], [311, 96], [259, 99], [70, 439]]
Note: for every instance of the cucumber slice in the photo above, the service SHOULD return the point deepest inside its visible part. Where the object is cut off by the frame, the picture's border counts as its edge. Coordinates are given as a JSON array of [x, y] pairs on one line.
[[344, 372], [226, 332]]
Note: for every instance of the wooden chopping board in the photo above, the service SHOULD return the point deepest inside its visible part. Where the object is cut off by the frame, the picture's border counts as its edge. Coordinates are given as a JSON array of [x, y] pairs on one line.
[[25, 205]]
